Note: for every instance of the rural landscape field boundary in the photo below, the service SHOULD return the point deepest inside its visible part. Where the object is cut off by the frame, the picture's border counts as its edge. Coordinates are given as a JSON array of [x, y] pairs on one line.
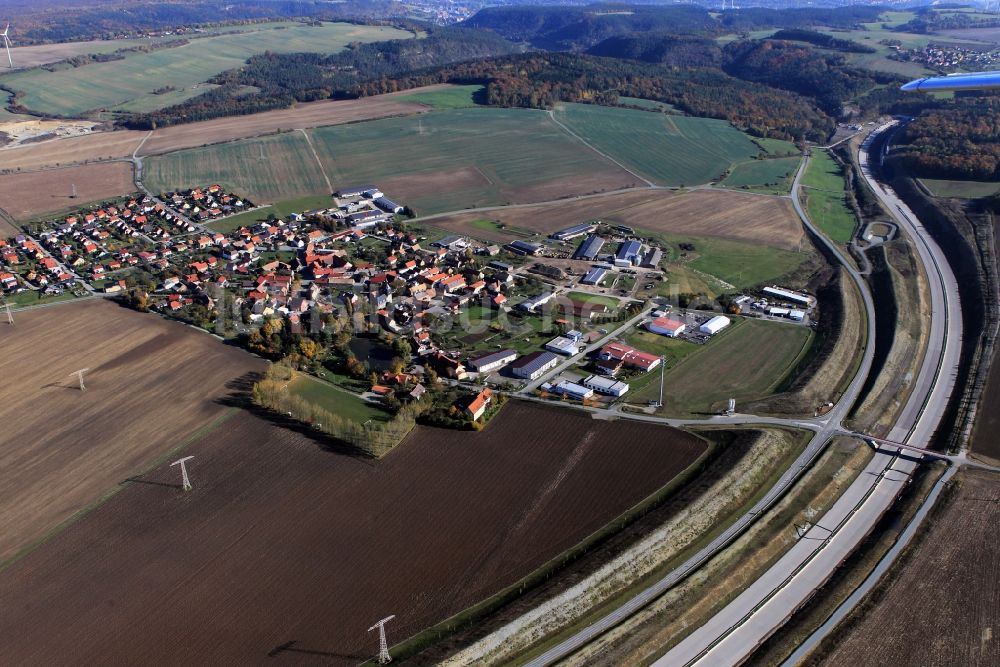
[[121, 486], [413, 645]]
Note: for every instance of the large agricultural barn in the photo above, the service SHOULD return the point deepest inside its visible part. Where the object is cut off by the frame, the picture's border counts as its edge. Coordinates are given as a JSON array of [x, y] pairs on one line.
[[574, 231], [589, 248]]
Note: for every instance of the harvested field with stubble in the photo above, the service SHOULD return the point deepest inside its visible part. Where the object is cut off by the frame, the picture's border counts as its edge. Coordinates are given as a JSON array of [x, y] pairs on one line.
[[769, 221], [151, 384], [288, 170], [312, 114], [121, 143], [71, 150], [941, 605], [29, 194], [287, 549]]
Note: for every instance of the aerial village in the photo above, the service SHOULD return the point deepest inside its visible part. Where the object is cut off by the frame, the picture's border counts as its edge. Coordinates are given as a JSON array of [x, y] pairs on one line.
[[358, 296]]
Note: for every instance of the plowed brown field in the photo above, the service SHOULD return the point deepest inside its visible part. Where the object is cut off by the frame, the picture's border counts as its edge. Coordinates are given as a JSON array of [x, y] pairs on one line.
[[943, 607], [151, 384], [29, 194], [288, 550], [769, 221]]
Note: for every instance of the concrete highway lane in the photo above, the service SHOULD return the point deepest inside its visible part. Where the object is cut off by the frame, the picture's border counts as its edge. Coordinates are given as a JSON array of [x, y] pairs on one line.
[[734, 633]]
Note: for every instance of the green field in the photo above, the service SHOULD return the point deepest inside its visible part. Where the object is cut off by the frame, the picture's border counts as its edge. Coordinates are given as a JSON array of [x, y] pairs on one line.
[[439, 161], [281, 209], [585, 297], [738, 263], [336, 400], [961, 189], [777, 147], [672, 349], [73, 91], [33, 298], [288, 170], [773, 176], [748, 361], [649, 104], [670, 150], [826, 202], [460, 158], [458, 97]]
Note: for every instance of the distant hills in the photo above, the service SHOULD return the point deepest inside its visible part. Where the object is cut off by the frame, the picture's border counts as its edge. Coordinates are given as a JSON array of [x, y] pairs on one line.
[[561, 28]]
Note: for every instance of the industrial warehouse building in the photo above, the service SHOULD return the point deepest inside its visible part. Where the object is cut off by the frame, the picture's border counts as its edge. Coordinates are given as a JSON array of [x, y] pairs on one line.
[[714, 325], [589, 248], [594, 276], [524, 248], [574, 231], [603, 385], [562, 345], [628, 253], [571, 389], [388, 205], [492, 361], [789, 295], [666, 326], [533, 366], [614, 356], [535, 302], [652, 258]]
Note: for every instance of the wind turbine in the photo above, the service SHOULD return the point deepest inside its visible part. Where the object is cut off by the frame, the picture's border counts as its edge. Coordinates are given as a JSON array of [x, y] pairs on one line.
[[6, 44]]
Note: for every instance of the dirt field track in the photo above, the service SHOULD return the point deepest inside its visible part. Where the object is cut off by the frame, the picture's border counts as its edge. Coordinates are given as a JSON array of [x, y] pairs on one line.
[[287, 550], [151, 384], [30, 194], [769, 221], [121, 143], [943, 607]]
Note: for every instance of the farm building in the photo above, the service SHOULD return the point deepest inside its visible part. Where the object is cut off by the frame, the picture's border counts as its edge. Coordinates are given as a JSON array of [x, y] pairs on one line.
[[452, 242], [797, 315], [492, 361], [603, 385], [532, 366], [666, 326], [589, 247], [652, 259], [500, 266], [789, 295], [775, 311], [571, 389], [562, 345], [535, 302], [594, 276], [388, 205], [714, 325], [574, 231], [628, 253], [478, 405], [524, 248], [356, 191]]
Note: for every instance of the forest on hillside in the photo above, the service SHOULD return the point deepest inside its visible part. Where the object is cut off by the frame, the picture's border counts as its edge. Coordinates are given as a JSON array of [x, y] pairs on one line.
[[960, 140]]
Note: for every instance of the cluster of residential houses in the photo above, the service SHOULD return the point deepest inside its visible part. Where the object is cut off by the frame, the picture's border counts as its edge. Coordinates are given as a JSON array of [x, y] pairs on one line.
[[207, 204], [25, 265]]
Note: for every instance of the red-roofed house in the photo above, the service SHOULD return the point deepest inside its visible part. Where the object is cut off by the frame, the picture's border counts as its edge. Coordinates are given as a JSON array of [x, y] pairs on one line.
[[479, 404]]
